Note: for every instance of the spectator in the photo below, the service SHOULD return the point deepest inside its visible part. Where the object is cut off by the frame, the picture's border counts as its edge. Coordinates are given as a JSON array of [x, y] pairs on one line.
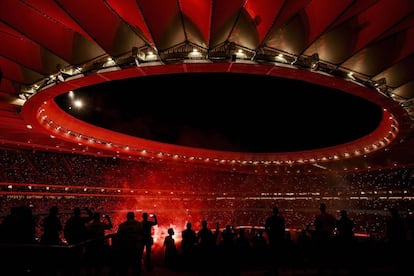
[[52, 227], [10, 225], [148, 239], [324, 233], [345, 238], [324, 226], [396, 231], [170, 250], [275, 229], [206, 245], [75, 228], [345, 228], [98, 249], [188, 245], [227, 250], [243, 249], [129, 241], [19, 226]]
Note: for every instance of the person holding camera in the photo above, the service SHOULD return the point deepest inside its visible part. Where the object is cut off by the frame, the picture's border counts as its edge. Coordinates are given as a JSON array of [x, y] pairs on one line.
[[98, 248], [75, 227], [148, 239]]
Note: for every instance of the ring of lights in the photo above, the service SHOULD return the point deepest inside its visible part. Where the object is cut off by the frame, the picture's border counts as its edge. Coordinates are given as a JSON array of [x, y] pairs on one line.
[[41, 111]]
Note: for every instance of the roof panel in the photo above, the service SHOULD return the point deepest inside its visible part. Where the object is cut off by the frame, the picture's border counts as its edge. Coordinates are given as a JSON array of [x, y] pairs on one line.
[[52, 9], [225, 14], [372, 23], [318, 22], [403, 45], [6, 86], [46, 31], [245, 32], [391, 50], [352, 10], [290, 9], [198, 13], [400, 73], [406, 91], [165, 24], [102, 28], [12, 70], [290, 37], [288, 32], [130, 12], [402, 26], [19, 49], [263, 13]]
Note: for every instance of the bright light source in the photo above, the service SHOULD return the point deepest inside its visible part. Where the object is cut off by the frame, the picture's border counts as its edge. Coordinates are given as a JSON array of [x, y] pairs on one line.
[[78, 103]]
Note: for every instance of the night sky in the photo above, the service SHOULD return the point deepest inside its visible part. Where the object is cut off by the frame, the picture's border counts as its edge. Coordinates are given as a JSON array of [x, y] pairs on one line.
[[227, 111]]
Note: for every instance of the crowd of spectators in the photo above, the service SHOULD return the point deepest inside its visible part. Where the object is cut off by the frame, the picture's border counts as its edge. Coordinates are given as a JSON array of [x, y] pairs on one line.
[[39, 178], [328, 241]]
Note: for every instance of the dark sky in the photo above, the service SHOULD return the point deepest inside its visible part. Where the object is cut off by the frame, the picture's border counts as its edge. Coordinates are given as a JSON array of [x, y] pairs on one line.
[[226, 111]]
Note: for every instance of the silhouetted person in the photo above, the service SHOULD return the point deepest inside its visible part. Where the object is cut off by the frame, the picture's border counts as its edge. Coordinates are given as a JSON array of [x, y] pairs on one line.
[[395, 228], [259, 248], [324, 233], [74, 232], [170, 250], [205, 236], [276, 231], [217, 234], [396, 238], [409, 220], [345, 228], [188, 245], [324, 226], [18, 226], [9, 226], [52, 227], [148, 239], [243, 249], [345, 238], [304, 246], [75, 227], [227, 250], [130, 245], [206, 245], [97, 249]]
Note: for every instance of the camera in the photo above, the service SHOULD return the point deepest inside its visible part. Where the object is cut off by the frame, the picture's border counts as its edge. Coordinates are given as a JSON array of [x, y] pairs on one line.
[[151, 215]]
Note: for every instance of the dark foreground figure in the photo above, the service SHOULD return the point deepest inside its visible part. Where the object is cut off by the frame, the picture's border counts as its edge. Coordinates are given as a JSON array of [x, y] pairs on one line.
[[364, 257]]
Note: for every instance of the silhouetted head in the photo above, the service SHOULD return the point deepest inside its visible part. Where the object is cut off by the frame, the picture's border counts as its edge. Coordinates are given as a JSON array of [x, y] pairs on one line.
[[54, 210], [130, 215], [77, 211], [322, 207], [145, 215], [96, 216], [394, 212]]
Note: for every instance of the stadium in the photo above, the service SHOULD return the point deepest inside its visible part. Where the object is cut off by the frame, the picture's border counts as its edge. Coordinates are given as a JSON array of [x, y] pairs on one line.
[[208, 110]]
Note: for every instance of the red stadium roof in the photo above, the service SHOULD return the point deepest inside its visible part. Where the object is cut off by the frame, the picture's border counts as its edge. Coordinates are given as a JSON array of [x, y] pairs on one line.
[[365, 48]]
